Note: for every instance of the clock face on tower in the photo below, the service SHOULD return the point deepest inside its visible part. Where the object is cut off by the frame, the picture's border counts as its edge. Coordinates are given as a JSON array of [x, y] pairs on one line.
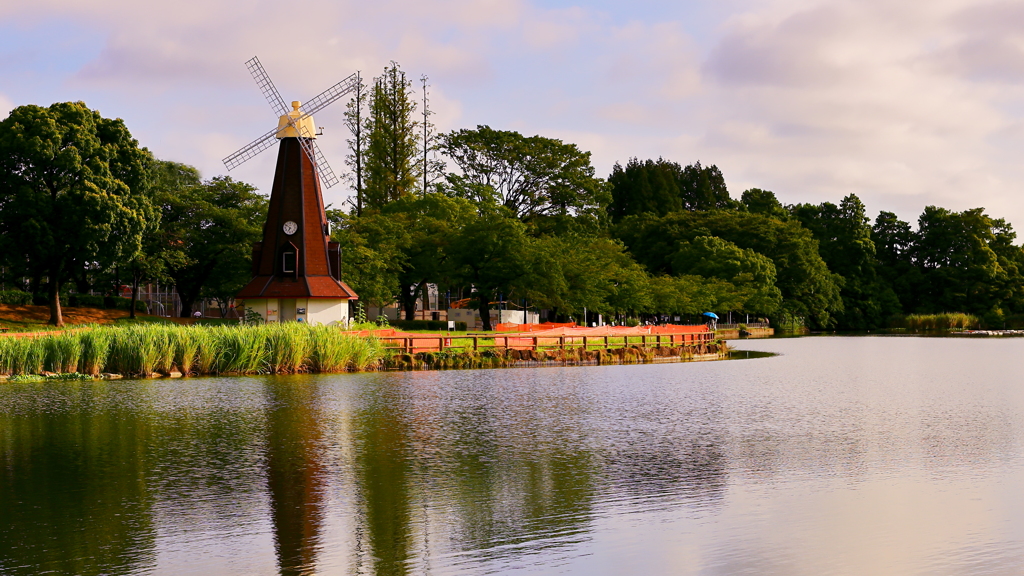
[[290, 227]]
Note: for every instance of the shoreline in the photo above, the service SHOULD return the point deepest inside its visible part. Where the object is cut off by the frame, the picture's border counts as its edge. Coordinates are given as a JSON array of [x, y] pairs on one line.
[[451, 360]]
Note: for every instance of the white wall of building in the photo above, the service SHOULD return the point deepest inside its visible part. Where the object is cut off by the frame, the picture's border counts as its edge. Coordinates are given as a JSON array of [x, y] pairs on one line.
[[472, 317], [316, 310]]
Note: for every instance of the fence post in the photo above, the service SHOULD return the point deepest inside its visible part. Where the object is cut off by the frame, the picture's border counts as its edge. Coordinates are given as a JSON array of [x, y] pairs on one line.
[[584, 343], [475, 343], [535, 345], [561, 342]]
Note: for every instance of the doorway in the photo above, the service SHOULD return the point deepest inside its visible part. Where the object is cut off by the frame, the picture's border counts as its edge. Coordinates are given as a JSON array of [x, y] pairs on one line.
[[287, 310]]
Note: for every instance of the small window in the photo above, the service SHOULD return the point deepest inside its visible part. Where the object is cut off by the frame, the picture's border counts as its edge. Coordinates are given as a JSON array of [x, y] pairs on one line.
[[288, 262]]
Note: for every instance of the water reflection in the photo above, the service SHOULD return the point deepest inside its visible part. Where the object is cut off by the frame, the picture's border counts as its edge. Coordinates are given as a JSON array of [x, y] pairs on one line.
[[295, 474], [382, 467], [841, 456], [73, 491]]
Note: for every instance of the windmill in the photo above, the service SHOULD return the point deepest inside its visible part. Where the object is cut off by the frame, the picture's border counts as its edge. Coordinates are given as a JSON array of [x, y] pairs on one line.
[[292, 122], [296, 269]]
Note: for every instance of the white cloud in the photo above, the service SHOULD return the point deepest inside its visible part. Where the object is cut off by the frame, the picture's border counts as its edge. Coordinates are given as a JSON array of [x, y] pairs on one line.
[[862, 98], [6, 105], [905, 104]]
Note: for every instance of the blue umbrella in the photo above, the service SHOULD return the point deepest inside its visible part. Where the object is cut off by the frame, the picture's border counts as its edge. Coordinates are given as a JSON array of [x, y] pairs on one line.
[[710, 315]]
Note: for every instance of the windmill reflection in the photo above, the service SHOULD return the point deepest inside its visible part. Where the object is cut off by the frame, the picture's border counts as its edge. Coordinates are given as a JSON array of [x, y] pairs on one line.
[[295, 475]]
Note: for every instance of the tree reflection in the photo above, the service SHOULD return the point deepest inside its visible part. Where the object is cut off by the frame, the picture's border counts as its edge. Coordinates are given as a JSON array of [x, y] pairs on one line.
[[383, 468], [295, 475], [73, 494], [439, 477]]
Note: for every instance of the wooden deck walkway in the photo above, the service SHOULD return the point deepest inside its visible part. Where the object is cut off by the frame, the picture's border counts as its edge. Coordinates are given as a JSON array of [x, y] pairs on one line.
[[562, 338]]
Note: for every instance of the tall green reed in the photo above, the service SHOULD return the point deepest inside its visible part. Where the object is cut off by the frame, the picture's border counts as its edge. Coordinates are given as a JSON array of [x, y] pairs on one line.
[[141, 350], [241, 350], [95, 348], [289, 347], [61, 351], [942, 321]]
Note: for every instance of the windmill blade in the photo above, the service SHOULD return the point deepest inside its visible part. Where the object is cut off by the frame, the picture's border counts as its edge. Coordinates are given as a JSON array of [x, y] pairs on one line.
[[327, 177], [266, 86], [325, 98], [252, 149]]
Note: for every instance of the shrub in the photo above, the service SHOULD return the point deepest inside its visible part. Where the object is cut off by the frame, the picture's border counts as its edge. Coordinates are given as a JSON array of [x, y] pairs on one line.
[[186, 342], [290, 347], [121, 303], [15, 297], [240, 350], [95, 348], [85, 301], [943, 321], [427, 325], [133, 350]]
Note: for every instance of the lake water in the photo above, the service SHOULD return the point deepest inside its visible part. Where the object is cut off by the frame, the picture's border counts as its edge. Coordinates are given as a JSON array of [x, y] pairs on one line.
[[841, 455]]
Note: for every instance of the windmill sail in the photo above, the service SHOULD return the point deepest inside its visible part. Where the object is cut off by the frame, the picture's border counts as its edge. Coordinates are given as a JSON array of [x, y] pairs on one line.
[[294, 121]]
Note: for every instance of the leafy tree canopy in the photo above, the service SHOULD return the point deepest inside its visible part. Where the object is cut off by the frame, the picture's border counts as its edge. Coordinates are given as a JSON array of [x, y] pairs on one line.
[[662, 187], [752, 274], [808, 288], [844, 234], [389, 161], [210, 226], [72, 192], [493, 254], [531, 176]]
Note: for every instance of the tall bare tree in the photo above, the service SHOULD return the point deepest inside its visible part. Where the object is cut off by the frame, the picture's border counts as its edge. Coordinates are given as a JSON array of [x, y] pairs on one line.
[[432, 169], [356, 122]]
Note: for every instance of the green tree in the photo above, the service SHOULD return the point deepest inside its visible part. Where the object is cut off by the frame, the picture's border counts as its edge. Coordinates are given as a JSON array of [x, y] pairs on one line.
[[961, 270], [751, 275], [531, 176], [844, 240], [690, 295], [372, 256], [214, 225], [572, 273], [644, 187], [428, 225], [72, 191], [155, 256], [492, 253], [392, 146], [758, 201], [809, 289], [703, 188], [662, 187]]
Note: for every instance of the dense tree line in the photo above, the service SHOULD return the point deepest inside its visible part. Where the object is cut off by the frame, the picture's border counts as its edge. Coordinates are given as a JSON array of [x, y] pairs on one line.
[[83, 206], [515, 219]]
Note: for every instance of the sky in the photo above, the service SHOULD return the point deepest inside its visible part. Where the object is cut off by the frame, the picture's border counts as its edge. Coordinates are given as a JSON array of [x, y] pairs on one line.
[[905, 104]]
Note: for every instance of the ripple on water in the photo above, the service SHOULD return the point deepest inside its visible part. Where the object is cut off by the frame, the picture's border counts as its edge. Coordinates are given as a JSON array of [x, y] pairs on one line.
[[837, 455]]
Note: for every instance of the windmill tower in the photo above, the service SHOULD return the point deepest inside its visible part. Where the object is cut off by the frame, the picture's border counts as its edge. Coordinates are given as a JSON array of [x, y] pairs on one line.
[[296, 269]]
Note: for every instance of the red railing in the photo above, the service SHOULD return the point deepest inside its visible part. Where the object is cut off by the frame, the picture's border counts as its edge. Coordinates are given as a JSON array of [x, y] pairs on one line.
[[586, 338]]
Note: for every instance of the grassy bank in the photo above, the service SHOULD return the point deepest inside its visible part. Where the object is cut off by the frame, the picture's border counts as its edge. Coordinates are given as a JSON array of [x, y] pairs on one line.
[[145, 349]]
